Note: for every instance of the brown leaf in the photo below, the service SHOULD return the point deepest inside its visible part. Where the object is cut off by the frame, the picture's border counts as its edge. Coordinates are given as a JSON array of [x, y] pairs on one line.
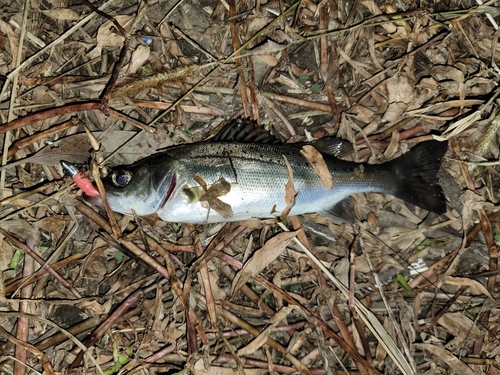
[[139, 57], [6, 254], [290, 192], [200, 180], [460, 326], [455, 364], [400, 89], [199, 368], [222, 208], [267, 59], [316, 161], [218, 189], [262, 258], [62, 14], [475, 286], [261, 339], [108, 36], [52, 225], [94, 306]]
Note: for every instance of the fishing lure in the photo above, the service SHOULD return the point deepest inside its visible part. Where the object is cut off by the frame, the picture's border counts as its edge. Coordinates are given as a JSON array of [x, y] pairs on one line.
[[82, 182]]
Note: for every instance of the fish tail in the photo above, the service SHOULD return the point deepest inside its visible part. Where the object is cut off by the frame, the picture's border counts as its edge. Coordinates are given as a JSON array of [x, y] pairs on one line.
[[416, 176]]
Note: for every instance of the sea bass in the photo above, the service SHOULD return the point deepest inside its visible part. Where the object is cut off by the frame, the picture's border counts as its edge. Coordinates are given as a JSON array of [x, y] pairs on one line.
[[250, 178]]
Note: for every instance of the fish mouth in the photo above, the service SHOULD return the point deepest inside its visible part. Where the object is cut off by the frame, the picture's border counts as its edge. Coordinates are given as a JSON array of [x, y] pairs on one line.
[[173, 184], [95, 201]]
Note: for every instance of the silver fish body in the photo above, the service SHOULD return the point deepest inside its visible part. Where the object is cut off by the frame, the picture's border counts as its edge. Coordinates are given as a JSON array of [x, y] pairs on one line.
[[257, 173]]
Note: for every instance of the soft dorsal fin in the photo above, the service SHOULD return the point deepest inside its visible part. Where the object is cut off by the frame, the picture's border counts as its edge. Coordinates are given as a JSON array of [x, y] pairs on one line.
[[340, 148]]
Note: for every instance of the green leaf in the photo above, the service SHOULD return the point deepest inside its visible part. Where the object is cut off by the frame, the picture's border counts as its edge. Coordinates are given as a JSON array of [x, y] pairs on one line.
[[294, 288], [119, 256], [187, 132], [15, 260], [424, 244], [315, 88], [401, 281], [303, 79]]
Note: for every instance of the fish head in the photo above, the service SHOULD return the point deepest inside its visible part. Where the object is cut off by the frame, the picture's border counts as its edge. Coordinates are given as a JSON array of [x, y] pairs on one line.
[[141, 188]]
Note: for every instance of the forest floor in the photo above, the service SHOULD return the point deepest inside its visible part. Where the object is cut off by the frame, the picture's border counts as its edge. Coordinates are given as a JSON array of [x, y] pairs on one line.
[[401, 290]]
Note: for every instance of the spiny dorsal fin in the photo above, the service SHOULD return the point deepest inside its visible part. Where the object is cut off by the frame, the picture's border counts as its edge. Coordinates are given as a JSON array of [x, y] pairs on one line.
[[245, 131], [248, 131]]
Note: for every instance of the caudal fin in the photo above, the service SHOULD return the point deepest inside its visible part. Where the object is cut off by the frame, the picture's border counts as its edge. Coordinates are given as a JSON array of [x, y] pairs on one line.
[[416, 174]]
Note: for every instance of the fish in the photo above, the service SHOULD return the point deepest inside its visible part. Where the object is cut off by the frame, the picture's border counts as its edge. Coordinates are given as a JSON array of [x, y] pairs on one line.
[[182, 184]]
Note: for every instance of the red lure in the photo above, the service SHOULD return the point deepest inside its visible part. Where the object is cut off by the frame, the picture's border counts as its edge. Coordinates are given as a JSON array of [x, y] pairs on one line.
[[82, 182]]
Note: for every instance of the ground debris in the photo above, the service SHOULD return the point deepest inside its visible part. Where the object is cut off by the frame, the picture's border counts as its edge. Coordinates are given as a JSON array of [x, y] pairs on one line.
[[244, 297]]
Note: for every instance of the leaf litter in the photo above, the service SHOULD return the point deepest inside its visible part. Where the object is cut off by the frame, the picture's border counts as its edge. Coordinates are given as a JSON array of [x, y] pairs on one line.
[[248, 296]]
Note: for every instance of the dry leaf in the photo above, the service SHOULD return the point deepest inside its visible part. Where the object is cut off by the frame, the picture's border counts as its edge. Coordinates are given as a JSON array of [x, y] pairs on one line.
[[290, 192], [399, 90], [52, 225], [218, 189], [62, 14], [426, 89], [444, 355], [449, 75], [460, 326], [138, 58], [393, 146], [316, 161], [43, 95], [222, 208], [6, 253], [261, 339], [264, 52], [174, 331], [6, 29], [94, 306], [400, 94], [268, 48], [262, 258], [267, 59], [108, 36], [257, 342], [475, 286], [20, 228], [471, 203]]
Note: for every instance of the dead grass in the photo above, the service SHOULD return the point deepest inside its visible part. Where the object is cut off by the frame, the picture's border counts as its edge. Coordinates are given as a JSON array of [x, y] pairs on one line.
[[403, 292]]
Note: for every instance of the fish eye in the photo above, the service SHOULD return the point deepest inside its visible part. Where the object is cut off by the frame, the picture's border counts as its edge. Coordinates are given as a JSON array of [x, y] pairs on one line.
[[121, 177]]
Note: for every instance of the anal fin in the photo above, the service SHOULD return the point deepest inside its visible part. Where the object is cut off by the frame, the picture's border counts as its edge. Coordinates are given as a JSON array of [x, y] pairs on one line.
[[343, 211]]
